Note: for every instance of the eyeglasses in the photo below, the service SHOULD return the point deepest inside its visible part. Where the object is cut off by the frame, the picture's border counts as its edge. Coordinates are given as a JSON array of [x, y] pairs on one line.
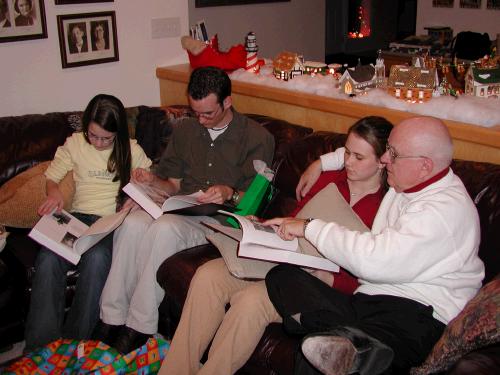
[[208, 115], [104, 140], [393, 155]]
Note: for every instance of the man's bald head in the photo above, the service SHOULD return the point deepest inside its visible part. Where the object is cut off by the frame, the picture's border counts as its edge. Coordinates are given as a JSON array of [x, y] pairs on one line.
[[419, 148], [428, 136]]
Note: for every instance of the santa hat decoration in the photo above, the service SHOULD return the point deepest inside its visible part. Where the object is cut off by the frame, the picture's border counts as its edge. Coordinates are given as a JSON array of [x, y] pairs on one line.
[[202, 54], [253, 64]]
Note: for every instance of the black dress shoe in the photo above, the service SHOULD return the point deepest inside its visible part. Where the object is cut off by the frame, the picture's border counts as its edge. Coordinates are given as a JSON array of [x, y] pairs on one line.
[[347, 350], [129, 339], [106, 333]]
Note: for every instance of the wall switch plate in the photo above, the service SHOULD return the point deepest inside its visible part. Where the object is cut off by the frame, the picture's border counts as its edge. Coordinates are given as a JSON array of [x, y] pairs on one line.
[[165, 27]]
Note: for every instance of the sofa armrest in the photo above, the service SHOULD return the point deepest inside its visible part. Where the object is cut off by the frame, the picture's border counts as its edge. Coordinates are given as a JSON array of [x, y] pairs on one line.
[[176, 272]]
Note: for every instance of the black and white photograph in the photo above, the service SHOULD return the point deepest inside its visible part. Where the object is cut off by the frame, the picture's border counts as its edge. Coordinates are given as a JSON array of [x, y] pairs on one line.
[[22, 20], [61, 218], [87, 38]]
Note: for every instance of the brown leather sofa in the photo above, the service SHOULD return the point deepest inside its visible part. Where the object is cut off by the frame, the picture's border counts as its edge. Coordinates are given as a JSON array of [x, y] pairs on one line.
[[28, 140], [275, 351]]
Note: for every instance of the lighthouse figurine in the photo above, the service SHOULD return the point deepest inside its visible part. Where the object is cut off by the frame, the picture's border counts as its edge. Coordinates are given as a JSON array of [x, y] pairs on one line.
[[251, 47]]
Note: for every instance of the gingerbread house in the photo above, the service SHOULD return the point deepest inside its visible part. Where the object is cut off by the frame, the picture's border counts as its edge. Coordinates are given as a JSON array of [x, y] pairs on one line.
[[287, 65], [411, 83]]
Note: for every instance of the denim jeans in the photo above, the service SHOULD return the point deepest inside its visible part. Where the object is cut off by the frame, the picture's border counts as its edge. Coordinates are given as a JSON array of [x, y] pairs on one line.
[[47, 320]]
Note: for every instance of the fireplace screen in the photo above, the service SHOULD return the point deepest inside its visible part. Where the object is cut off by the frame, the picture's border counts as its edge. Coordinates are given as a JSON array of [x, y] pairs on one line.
[[359, 24]]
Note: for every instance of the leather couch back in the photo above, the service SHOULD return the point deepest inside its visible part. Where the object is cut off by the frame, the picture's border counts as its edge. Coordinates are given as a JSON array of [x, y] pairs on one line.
[[30, 139]]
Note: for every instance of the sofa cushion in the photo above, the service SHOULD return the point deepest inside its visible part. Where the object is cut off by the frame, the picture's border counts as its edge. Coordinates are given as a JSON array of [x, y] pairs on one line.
[[475, 327], [21, 196]]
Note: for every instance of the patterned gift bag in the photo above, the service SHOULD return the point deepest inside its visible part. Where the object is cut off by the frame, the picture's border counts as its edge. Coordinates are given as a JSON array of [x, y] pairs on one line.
[[66, 356]]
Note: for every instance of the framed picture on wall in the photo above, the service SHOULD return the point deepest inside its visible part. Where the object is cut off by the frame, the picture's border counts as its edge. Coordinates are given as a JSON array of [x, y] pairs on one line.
[[443, 3], [22, 20], [59, 2], [472, 4], [213, 3], [87, 38]]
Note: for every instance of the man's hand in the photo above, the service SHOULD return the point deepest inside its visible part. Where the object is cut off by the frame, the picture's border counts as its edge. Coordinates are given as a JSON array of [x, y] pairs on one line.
[[308, 179], [288, 227], [216, 194], [142, 175]]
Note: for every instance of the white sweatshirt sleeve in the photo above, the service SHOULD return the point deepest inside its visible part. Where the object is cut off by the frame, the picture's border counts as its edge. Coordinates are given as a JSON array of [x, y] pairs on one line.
[[333, 161]]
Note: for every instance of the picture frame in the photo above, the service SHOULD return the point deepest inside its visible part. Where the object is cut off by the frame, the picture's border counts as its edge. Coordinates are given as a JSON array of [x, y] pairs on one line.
[[443, 3], [493, 4], [214, 3], [22, 20], [87, 38], [65, 2], [470, 4]]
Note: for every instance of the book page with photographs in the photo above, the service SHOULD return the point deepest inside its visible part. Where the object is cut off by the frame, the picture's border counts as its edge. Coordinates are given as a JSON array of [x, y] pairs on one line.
[[262, 242], [68, 237], [175, 204]]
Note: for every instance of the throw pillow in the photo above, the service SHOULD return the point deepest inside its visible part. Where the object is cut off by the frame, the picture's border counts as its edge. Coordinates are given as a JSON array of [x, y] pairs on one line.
[[22, 195], [475, 327]]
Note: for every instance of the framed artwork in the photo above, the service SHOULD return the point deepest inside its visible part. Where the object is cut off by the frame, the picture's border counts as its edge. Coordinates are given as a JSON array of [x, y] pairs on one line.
[[493, 4], [213, 3], [22, 20], [443, 3], [59, 2], [472, 4], [87, 38]]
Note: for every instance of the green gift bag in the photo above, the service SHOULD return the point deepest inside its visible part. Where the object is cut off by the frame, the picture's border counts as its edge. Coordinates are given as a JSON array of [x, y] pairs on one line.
[[256, 198]]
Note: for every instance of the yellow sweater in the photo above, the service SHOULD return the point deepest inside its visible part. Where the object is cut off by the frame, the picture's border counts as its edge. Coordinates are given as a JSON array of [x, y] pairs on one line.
[[95, 191]]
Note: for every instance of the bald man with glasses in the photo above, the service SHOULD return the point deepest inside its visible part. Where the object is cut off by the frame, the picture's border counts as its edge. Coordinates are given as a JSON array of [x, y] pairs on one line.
[[417, 267]]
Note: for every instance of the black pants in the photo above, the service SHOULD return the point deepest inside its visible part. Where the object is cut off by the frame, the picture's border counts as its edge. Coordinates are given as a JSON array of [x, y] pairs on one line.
[[406, 326]]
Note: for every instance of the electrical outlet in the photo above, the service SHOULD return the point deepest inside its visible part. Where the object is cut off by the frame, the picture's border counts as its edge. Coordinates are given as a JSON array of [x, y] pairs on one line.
[[165, 27]]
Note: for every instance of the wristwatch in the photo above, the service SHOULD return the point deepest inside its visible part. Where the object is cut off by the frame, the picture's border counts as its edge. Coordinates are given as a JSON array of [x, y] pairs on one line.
[[306, 223], [235, 198]]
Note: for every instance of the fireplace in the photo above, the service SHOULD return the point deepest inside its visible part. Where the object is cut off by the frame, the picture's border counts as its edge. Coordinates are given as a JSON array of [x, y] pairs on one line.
[[360, 27]]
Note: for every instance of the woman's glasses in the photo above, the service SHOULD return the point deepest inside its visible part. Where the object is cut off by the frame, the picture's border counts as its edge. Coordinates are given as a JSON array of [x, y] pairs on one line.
[[104, 140]]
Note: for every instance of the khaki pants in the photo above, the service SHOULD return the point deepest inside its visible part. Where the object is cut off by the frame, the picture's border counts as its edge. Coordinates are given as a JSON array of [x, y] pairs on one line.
[[131, 294], [235, 333]]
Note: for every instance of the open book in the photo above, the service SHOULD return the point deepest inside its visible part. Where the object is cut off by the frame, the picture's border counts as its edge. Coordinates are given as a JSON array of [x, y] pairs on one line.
[[68, 237], [176, 204], [256, 243], [261, 242]]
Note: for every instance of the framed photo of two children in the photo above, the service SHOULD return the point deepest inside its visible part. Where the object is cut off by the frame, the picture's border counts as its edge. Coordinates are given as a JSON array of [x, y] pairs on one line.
[[22, 20], [87, 38]]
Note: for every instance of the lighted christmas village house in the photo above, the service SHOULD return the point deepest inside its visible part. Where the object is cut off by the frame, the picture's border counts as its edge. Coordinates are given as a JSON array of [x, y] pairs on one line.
[[483, 82], [358, 79], [411, 83], [287, 65], [315, 67]]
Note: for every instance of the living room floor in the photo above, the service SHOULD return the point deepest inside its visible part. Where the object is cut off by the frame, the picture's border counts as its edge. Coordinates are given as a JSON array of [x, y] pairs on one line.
[[15, 352]]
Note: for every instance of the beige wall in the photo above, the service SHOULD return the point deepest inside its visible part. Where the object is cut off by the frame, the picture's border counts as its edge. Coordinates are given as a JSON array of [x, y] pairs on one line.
[[459, 19], [297, 26], [33, 80]]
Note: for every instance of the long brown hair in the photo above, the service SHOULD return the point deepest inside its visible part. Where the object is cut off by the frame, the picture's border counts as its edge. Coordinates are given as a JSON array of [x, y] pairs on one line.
[[108, 112]]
